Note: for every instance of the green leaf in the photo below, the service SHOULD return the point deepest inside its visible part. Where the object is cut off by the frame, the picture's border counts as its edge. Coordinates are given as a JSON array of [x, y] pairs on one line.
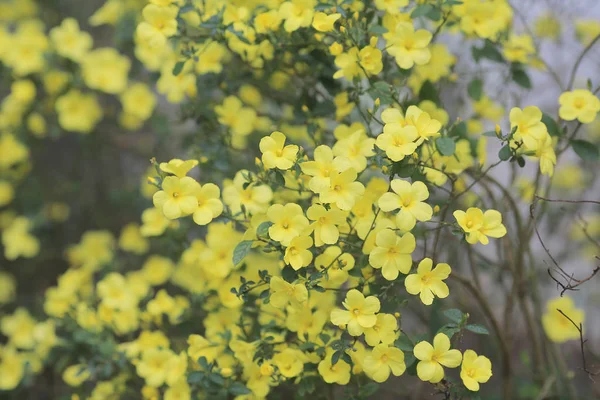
[[505, 153], [445, 146], [586, 150], [263, 229], [421, 10], [429, 92], [551, 125], [488, 51], [454, 315], [521, 161], [368, 390], [238, 389], [377, 29], [336, 357], [217, 379], [434, 15], [475, 328], [178, 67], [404, 343], [490, 133], [521, 78], [449, 330], [475, 89], [279, 178], [241, 251]]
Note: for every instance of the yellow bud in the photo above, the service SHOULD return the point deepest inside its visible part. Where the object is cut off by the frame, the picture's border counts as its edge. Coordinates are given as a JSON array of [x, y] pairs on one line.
[[397, 314], [355, 15], [152, 180], [256, 160], [436, 209], [203, 159], [226, 372], [305, 108], [342, 29], [498, 130], [377, 102], [415, 156], [373, 41], [266, 369], [384, 169]]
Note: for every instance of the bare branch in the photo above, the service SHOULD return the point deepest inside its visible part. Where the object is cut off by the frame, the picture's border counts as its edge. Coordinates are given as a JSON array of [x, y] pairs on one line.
[[581, 344]]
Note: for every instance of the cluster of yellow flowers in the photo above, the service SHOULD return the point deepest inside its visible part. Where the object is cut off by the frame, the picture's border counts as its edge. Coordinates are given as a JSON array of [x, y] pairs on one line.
[[358, 166]]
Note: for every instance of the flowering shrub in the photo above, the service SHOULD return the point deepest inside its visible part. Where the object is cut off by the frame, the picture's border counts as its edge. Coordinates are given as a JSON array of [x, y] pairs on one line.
[[325, 216]]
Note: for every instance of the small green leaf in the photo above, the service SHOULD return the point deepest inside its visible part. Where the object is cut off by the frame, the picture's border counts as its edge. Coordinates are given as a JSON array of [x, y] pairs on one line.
[[521, 78], [263, 228], [429, 92], [421, 10], [475, 89], [368, 390], [454, 315], [336, 357], [449, 330], [490, 134], [521, 161], [377, 29], [241, 251], [279, 178], [445, 146], [586, 150], [475, 328], [178, 67], [238, 389], [404, 343], [217, 379], [505, 153], [488, 51], [551, 125]]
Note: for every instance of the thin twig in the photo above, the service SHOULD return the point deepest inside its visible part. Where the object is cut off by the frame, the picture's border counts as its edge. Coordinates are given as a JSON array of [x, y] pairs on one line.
[[581, 345]]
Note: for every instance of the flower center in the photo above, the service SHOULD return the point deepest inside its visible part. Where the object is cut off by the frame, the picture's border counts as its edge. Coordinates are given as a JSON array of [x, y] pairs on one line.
[[356, 311], [579, 103]]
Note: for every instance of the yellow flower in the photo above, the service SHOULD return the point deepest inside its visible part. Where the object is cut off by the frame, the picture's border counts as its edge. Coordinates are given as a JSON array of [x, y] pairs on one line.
[[547, 25], [336, 49], [355, 148], [323, 22], [238, 118], [382, 361], [76, 374], [487, 108], [558, 328], [429, 368], [359, 313], [435, 112], [209, 205], [267, 21], [275, 154], [343, 191], [579, 104], [78, 112], [211, 57], [255, 198], [586, 30], [12, 368], [7, 193], [408, 46], [391, 6], [357, 63], [282, 292], [178, 167], [132, 240], [322, 168], [199, 346], [177, 197], [479, 225], [157, 270], [290, 362], [297, 14], [154, 222], [334, 373], [410, 200], [518, 48], [530, 127], [392, 253], [384, 330], [297, 254], [398, 141], [475, 370], [159, 24], [288, 222], [106, 70], [326, 223], [153, 366], [139, 101], [545, 152], [69, 41], [8, 288], [427, 282], [338, 265], [18, 241], [426, 126]]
